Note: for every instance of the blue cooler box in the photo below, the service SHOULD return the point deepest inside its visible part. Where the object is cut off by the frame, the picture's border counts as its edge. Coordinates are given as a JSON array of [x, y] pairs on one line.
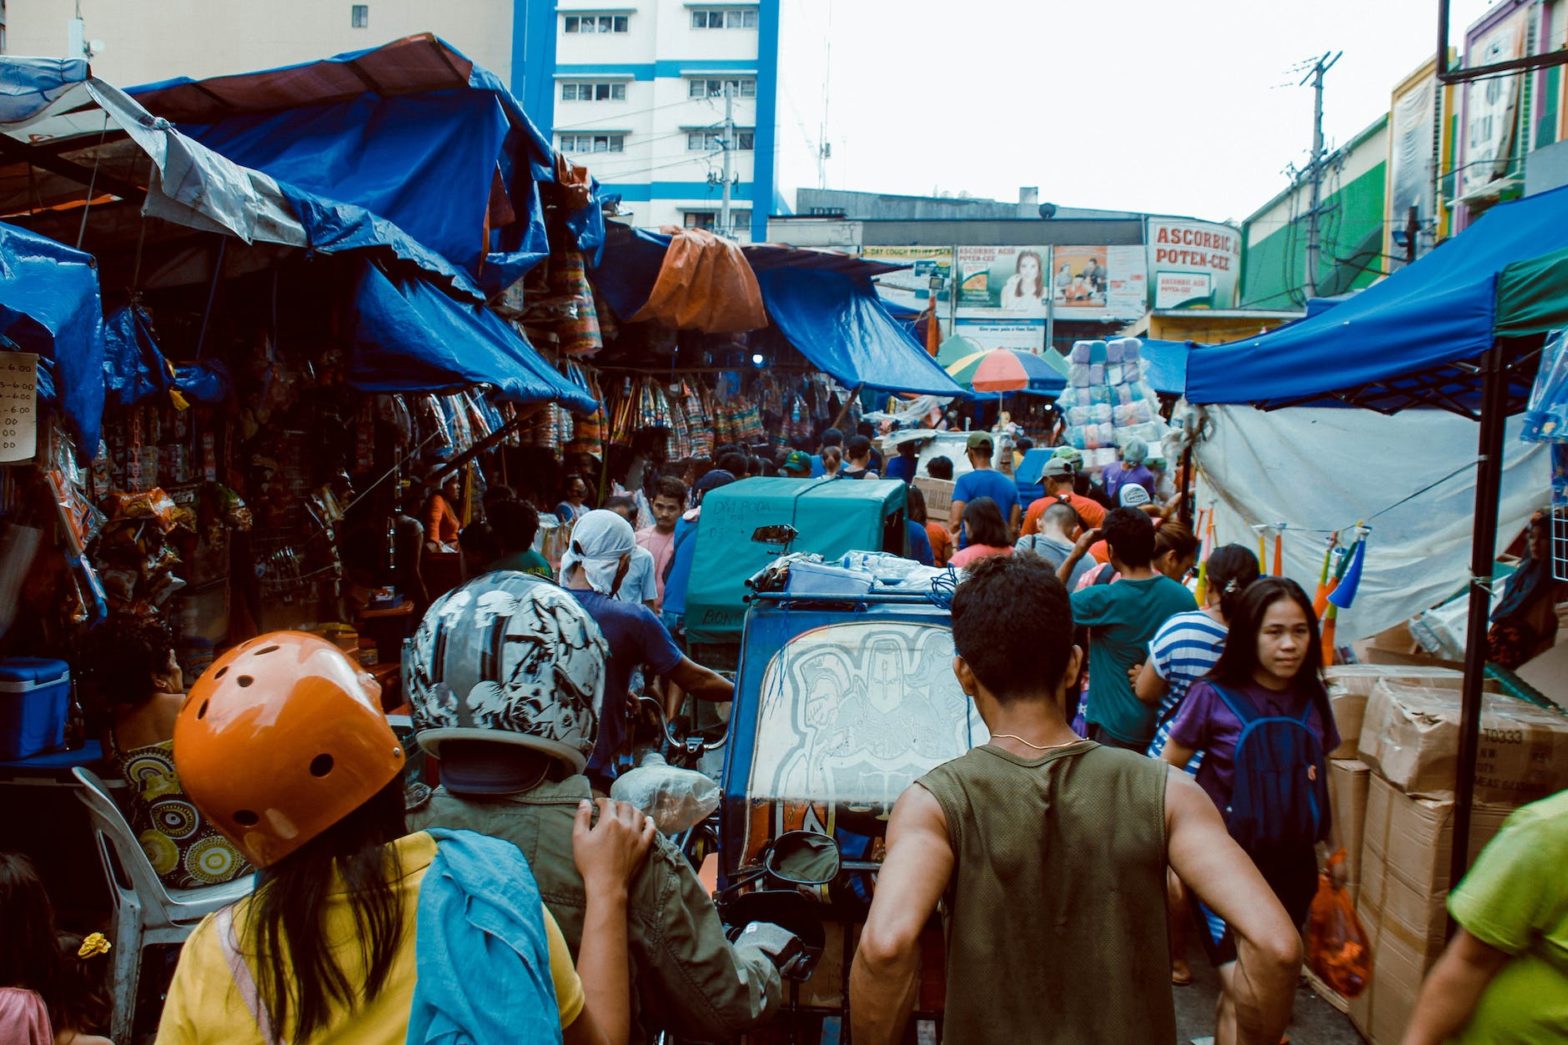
[[35, 698]]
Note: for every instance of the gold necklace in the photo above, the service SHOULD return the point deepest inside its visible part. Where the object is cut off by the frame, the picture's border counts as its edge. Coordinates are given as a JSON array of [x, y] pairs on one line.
[[1037, 747]]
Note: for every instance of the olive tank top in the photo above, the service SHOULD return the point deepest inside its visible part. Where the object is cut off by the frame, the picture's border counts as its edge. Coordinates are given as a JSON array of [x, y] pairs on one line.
[[1055, 914]]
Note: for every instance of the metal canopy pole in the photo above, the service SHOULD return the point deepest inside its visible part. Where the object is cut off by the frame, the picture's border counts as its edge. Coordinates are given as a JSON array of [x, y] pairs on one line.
[[1483, 552]]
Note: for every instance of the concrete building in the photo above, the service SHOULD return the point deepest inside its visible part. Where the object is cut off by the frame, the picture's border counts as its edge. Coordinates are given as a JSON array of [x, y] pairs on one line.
[[632, 89], [639, 95], [1350, 229], [1105, 271]]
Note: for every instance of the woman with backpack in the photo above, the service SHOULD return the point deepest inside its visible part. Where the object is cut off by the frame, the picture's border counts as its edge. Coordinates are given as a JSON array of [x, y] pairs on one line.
[[1261, 707], [360, 931], [1184, 650]]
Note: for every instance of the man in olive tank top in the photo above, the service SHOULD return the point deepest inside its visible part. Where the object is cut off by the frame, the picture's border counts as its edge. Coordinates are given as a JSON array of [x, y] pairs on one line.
[[1049, 854]]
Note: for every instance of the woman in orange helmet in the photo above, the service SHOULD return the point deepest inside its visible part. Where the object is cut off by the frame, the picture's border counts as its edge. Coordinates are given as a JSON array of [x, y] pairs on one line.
[[282, 744]]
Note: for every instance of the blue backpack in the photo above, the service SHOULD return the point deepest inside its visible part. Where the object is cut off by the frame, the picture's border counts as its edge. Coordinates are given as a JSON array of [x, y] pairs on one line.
[[1279, 800]]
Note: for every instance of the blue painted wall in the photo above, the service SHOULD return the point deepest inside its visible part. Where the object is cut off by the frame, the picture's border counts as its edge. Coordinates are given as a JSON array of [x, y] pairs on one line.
[[533, 61], [765, 158]]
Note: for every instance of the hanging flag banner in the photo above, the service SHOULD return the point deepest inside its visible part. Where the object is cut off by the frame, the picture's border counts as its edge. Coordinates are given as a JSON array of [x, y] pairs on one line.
[[1192, 264], [18, 406]]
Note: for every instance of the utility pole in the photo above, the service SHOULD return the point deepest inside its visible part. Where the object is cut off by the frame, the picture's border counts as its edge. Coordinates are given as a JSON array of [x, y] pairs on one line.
[[729, 146], [1315, 167]]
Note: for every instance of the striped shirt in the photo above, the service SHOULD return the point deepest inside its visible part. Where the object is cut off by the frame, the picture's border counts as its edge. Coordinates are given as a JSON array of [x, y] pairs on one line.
[[1182, 651]]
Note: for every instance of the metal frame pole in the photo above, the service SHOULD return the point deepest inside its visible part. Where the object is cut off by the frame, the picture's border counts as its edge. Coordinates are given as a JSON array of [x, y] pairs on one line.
[[1483, 552]]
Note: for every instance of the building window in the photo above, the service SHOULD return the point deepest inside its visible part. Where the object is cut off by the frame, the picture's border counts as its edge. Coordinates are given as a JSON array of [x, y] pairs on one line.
[[709, 219], [596, 23], [359, 16], [712, 139], [593, 92], [741, 88], [743, 18], [593, 143]]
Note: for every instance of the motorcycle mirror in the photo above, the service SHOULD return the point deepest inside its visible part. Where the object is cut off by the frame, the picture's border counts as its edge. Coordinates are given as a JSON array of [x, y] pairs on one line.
[[783, 533], [804, 858]]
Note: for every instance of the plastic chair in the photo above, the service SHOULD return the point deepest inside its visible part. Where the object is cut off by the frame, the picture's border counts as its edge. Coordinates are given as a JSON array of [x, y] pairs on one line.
[[146, 912]]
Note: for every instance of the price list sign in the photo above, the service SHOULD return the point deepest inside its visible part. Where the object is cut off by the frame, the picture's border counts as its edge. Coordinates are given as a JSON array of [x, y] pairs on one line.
[[18, 406]]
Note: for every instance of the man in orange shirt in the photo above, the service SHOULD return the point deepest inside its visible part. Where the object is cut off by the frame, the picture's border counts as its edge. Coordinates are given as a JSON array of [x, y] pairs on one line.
[[1057, 476]]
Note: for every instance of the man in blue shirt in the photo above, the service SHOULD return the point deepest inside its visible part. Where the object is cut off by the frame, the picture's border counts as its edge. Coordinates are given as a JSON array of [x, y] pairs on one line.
[[984, 481], [905, 466], [593, 569]]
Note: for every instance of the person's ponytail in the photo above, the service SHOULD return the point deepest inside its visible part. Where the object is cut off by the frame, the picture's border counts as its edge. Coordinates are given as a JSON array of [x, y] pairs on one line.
[[1231, 568]]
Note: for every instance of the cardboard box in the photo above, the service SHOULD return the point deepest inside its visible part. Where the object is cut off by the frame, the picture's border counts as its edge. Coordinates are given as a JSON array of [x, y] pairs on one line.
[[1348, 782], [1349, 686], [939, 497], [1410, 735], [1548, 674], [1406, 844], [1396, 647]]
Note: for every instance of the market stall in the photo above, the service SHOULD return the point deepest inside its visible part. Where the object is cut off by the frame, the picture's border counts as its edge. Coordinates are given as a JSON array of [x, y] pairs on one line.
[[1460, 330]]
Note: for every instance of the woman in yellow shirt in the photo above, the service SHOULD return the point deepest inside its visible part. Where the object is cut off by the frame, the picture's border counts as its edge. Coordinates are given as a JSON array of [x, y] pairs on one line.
[[283, 746]]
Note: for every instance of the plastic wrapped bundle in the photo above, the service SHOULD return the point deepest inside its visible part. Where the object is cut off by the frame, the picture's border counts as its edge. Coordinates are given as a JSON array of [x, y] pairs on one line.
[[1080, 353], [1127, 348], [675, 799]]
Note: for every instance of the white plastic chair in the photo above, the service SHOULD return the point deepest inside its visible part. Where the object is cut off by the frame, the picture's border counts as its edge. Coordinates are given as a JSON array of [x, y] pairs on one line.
[[146, 913]]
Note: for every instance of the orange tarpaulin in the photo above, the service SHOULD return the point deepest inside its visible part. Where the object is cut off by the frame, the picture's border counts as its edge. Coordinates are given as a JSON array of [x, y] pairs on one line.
[[705, 283]]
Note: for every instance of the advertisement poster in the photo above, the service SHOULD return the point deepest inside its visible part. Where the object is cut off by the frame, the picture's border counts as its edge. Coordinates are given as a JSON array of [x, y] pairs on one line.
[[1087, 282], [1192, 264], [1491, 105], [1410, 150], [912, 287], [995, 331], [1008, 278]]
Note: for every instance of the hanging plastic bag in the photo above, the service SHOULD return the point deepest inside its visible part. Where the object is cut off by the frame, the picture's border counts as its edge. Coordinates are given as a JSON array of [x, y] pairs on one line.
[[675, 798], [1337, 948]]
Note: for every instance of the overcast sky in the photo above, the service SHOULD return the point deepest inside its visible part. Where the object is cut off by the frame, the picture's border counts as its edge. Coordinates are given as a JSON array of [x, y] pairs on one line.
[[1145, 105]]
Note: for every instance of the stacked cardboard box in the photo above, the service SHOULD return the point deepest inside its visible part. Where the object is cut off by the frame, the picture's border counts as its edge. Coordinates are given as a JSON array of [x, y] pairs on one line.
[[1350, 686], [1408, 744], [1348, 782], [1410, 735], [1406, 844]]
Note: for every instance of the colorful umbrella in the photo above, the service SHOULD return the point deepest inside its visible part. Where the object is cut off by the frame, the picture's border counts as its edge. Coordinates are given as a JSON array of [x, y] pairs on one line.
[[1009, 370]]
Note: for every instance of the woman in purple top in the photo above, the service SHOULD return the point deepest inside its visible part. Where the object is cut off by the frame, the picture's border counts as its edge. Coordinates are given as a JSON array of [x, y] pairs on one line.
[[1273, 660]]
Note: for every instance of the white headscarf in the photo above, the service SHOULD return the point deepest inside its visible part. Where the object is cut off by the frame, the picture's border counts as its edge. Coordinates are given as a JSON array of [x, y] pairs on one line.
[[598, 542]]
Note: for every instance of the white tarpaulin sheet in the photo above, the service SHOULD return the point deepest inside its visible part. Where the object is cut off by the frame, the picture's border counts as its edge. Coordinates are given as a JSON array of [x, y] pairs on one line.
[[1324, 469]]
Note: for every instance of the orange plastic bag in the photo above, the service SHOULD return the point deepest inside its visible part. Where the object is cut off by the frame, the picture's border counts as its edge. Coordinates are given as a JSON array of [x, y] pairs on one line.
[[1337, 949]]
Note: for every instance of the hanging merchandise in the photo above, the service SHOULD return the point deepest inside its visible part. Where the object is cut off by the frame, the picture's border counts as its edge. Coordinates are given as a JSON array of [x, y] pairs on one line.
[[1107, 402], [1546, 416], [578, 329]]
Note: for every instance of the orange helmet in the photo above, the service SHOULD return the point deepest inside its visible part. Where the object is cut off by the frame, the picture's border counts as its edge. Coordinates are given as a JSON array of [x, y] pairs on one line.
[[280, 739]]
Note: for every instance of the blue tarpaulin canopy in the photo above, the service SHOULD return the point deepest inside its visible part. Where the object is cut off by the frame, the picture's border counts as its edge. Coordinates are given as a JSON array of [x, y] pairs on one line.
[[49, 304], [1393, 344], [838, 323], [31, 84], [630, 268], [412, 132], [134, 368], [407, 335], [1165, 365]]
